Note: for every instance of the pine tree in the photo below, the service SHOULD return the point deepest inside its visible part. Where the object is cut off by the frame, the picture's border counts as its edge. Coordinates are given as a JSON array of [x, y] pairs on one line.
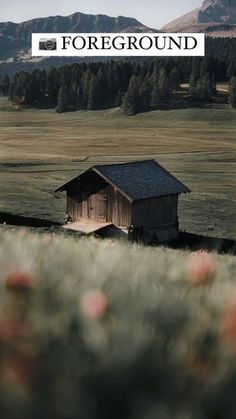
[[194, 75], [95, 96], [164, 86], [62, 100], [204, 67], [145, 92], [232, 92], [11, 89], [204, 88], [195, 67], [193, 84], [38, 87], [86, 84], [118, 101], [174, 78], [4, 86], [231, 70], [52, 85], [79, 98], [131, 100], [213, 85], [91, 94], [20, 89], [155, 95], [111, 85]]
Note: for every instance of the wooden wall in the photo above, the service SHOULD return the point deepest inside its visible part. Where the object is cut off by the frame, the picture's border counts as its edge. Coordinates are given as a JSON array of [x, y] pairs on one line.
[[154, 212], [93, 199]]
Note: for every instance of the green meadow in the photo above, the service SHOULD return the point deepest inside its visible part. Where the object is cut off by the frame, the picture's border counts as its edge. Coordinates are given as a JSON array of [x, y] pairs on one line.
[[40, 149]]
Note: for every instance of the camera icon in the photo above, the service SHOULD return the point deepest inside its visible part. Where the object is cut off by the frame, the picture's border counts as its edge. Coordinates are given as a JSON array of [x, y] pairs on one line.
[[49, 44]]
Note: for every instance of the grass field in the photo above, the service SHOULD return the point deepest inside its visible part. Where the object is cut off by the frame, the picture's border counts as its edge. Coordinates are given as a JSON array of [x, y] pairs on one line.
[[40, 149], [101, 329], [132, 335]]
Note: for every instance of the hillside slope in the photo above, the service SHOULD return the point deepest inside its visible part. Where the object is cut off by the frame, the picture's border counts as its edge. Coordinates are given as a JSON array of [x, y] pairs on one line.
[[15, 39], [216, 17]]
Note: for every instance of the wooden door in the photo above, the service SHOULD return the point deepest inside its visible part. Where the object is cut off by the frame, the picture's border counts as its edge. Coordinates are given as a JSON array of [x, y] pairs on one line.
[[92, 207], [103, 207], [85, 213]]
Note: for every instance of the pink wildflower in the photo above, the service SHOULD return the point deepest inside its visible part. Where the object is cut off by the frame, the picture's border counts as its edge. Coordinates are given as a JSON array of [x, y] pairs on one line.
[[20, 281], [93, 304], [201, 268]]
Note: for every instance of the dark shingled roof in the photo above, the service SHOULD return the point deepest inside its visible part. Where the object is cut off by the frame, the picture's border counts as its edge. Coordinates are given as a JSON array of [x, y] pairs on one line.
[[138, 180]]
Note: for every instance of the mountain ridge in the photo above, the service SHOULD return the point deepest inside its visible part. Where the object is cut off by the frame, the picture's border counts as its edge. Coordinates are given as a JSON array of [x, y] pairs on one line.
[[211, 13], [15, 38]]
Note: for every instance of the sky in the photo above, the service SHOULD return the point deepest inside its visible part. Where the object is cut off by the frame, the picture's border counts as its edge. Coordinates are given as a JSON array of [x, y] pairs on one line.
[[153, 13]]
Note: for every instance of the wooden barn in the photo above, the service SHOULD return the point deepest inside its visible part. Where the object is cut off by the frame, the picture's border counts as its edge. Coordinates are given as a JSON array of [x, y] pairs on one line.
[[138, 198]]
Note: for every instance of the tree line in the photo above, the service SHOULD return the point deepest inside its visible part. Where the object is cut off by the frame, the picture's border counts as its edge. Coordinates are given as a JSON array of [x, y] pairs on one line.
[[135, 85]]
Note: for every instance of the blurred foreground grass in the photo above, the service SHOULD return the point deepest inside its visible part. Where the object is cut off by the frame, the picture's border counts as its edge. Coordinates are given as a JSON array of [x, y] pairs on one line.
[[100, 329]]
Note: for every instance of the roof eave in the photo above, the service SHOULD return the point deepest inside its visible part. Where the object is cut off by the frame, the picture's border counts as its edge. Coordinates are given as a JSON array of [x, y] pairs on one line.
[[93, 168], [159, 196], [64, 186]]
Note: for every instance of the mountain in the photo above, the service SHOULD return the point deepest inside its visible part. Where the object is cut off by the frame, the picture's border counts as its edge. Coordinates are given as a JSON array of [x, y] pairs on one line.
[[15, 39], [215, 17]]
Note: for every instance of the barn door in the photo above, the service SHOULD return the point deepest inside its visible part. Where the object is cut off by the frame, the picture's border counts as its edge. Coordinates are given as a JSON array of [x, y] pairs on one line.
[[84, 205], [103, 207], [91, 207]]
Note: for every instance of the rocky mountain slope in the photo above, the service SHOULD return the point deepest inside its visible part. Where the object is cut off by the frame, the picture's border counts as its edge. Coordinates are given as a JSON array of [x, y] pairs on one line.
[[215, 17]]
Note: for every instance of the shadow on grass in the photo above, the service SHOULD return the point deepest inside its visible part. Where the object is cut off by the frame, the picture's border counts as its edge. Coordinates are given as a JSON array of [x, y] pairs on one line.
[[194, 242], [19, 220], [185, 240]]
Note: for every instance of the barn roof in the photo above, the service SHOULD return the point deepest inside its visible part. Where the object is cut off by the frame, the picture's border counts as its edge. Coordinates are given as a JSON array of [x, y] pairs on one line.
[[137, 180]]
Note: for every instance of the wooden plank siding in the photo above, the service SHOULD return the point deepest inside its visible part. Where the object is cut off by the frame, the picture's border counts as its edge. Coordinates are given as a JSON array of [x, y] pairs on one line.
[[95, 199], [155, 212], [92, 198]]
